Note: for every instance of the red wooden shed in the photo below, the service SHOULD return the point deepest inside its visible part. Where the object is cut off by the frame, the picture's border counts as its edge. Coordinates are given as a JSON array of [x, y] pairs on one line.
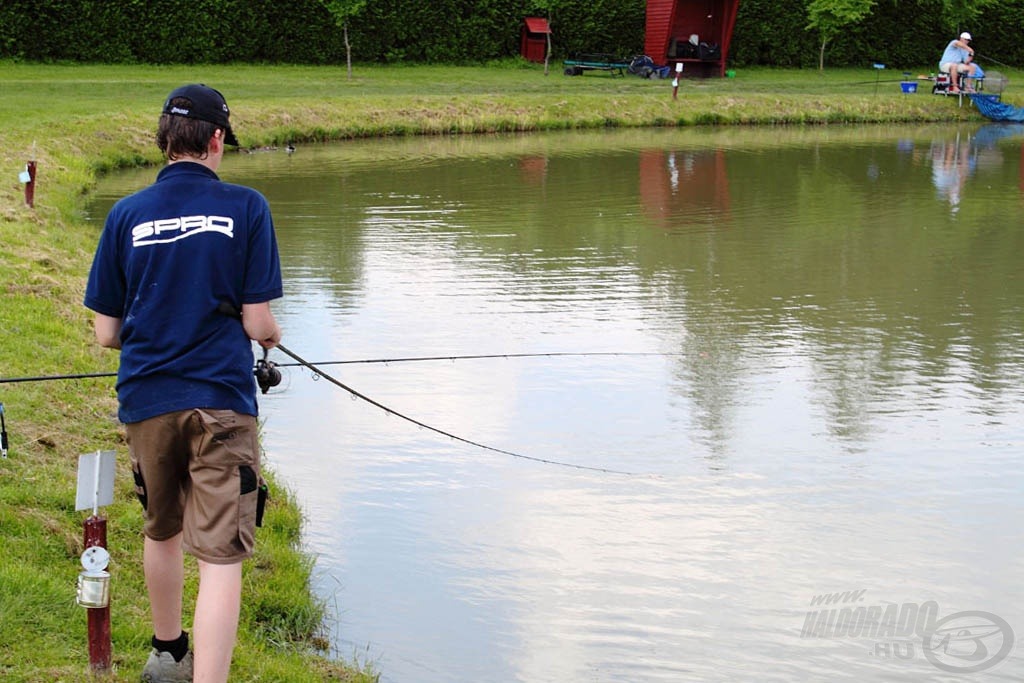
[[696, 33], [534, 38]]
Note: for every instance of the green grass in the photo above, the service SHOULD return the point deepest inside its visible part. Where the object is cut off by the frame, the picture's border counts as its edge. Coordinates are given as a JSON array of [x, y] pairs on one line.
[[81, 121]]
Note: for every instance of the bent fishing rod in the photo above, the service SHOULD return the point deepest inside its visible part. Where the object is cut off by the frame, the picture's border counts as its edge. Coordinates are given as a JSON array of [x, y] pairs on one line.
[[267, 376], [993, 59], [312, 367]]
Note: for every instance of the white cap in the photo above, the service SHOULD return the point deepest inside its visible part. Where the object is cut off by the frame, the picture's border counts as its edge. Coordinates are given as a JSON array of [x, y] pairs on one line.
[[965, 36]]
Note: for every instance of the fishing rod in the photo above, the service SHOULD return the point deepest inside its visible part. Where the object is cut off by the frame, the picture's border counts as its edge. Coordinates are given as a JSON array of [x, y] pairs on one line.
[[3, 433], [417, 359], [267, 376], [887, 80], [993, 59], [49, 378], [312, 367], [366, 361]]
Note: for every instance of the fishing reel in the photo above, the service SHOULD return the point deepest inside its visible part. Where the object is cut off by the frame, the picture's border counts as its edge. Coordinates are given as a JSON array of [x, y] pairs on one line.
[[267, 374]]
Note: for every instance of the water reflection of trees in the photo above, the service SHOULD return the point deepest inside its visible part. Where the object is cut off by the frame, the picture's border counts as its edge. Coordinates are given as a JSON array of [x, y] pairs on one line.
[[875, 278], [319, 223], [842, 249]]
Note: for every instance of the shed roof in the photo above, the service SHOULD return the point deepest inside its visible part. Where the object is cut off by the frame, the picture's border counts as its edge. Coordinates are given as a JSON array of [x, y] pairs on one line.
[[537, 25]]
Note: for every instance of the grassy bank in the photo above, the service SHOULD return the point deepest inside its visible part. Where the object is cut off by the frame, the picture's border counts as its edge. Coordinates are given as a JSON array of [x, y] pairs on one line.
[[79, 122]]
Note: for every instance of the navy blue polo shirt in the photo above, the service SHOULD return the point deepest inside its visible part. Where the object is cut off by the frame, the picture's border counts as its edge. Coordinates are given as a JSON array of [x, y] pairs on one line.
[[167, 257]]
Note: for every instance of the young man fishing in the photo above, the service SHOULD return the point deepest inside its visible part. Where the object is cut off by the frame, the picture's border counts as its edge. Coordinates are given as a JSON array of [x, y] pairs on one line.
[[169, 259]]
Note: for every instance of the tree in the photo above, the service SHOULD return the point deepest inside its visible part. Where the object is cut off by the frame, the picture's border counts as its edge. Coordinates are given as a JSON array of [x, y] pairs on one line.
[[343, 11], [829, 17], [959, 14]]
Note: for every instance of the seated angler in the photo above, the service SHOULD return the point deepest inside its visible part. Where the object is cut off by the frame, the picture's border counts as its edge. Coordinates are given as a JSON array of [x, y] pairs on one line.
[[956, 60]]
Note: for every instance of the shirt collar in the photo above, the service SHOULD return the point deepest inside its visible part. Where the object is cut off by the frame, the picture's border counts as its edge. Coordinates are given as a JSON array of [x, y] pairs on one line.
[[185, 168]]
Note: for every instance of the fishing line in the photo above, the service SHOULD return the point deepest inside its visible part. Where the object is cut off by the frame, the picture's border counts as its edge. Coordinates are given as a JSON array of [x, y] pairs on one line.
[[391, 411]]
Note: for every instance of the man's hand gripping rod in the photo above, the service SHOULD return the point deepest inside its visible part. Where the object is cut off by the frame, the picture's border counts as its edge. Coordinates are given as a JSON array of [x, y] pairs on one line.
[[266, 372]]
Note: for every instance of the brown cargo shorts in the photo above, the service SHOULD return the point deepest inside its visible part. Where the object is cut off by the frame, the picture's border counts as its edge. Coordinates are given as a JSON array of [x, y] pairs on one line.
[[197, 472]]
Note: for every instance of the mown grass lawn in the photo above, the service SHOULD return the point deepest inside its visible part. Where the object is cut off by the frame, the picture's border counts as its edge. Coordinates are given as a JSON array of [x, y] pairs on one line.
[[80, 121]]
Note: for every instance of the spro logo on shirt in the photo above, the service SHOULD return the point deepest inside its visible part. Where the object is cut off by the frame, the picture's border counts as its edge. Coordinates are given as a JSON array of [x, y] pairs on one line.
[[168, 230]]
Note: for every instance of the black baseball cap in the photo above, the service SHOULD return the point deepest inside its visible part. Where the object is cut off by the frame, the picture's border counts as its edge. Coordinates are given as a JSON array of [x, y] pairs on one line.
[[207, 105]]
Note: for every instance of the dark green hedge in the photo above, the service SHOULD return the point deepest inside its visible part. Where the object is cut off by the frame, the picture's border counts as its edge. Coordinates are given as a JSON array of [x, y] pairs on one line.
[[163, 32], [899, 33], [302, 31]]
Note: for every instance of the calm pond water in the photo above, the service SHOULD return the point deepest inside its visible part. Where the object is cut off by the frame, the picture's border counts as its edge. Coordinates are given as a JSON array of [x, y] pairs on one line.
[[805, 347]]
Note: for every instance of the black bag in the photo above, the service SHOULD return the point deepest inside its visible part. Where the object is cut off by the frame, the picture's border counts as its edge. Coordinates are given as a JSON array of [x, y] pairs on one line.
[[709, 52]]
